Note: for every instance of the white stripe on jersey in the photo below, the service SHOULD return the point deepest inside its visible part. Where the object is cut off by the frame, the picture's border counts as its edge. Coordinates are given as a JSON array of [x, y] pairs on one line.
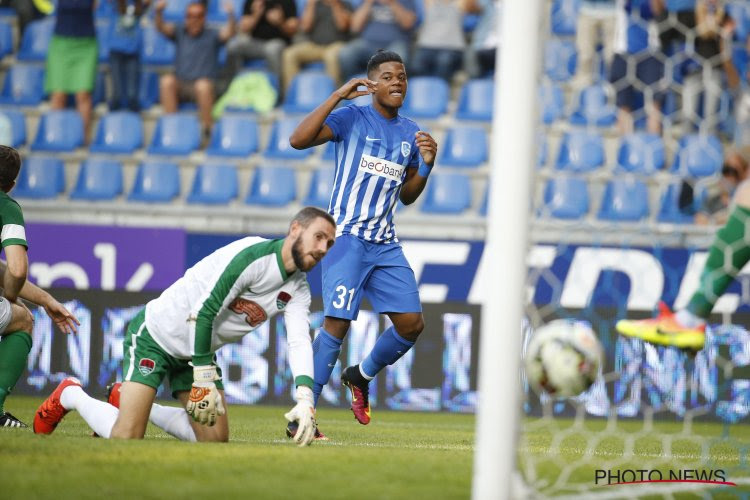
[[13, 231], [347, 166]]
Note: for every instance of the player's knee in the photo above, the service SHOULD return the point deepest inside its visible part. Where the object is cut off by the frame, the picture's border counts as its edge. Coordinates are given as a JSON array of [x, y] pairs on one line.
[[411, 328]]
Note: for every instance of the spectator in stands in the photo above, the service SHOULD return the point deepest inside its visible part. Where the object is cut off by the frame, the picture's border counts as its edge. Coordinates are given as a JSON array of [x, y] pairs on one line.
[[196, 61], [378, 24], [596, 23], [324, 27], [72, 58], [266, 28], [124, 54], [636, 53], [30, 10], [440, 42], [714, 207], [480, 57], [705, 71]]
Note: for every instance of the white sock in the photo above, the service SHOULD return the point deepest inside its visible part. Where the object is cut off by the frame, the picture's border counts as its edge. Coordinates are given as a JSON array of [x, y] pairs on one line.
[[688, 319], [99, 415], [172, 420]]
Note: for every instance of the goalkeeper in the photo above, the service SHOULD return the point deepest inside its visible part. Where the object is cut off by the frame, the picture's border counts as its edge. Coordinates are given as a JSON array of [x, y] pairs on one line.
[[219, 300]]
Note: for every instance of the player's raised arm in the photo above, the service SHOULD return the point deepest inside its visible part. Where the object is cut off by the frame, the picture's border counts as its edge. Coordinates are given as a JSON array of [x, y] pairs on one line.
[[312, 130]]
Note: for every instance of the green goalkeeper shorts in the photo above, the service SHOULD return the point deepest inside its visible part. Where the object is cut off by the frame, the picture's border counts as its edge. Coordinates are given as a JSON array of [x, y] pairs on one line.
[[144, 361]]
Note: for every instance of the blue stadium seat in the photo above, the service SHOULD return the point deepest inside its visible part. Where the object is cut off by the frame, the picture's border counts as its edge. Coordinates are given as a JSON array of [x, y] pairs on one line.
[[98, 180], [465, 146], [18, 127], [625, 200], [476, 100], [214, 185], [40, 178], [118, 132], [234, 136], [484, 207], [59, 131], [551, 103], [565, 197], [565, 17], [321, 183], [23, 85], [175, 11], [176, 134], [739, 10], [594, 108], [427, 97], [541, 150], [559, 60], [580, 151], [447, 194], [272, 187], [307, 90], [36, 39], [329, 151], [216, 14], [148, 92], [669, 206], [278, 142], [698, 156], [6, 39], [102, 38], [156, 182], [156, 49], [641, 153]]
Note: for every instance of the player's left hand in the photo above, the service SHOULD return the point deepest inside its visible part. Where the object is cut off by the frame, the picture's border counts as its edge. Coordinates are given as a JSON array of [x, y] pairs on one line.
[[64, 319], [427, 147], [304, 414]]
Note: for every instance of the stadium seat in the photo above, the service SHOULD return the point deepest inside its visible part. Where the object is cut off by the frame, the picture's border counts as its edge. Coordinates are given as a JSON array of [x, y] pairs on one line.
[[23, 85], [278, 142], [565, 16], [669, 206], [698, 156], [156, 49], [156, 182], [216, 13], [641, 153], [18, 127], [98, 180], [329, 152], [307, 90], [59, 131], [427, 98], [447, 194], [40, 178], [321, 183], [625, 200], [176, 134], [565, 197], [475, 101], [739, 10], [120, 132], [559, 60], [234, 136], [485, 205], [102, 38], [594, 108], [6, 39], [465, 146], [148, 93], [272, 187], [36, 39], [580, 151], [551, 103], [175, 11], [214, 185], [541, 150]]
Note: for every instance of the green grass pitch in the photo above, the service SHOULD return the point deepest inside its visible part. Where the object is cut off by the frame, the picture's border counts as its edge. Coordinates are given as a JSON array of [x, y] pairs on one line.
[[399, 455]]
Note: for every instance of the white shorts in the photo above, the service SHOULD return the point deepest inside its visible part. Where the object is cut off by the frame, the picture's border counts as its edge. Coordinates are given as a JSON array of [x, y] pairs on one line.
[[6, 314]]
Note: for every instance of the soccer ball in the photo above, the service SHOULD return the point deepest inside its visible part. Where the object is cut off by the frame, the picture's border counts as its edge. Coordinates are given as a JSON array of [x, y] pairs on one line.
[[563, 358]]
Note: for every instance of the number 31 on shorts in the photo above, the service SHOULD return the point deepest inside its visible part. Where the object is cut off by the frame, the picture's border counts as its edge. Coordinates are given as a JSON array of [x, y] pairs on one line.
[[341, 293]]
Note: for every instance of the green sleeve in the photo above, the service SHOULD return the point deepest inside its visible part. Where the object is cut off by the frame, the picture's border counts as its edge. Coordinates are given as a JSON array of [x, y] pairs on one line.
[[13, 227]]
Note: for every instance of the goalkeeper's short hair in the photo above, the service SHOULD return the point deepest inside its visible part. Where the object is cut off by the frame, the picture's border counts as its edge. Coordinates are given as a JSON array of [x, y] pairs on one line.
[[308, 214]]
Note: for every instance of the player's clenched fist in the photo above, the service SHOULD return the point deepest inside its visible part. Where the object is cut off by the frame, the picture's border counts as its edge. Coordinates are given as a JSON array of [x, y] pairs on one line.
[[204, 403], [304, 414]]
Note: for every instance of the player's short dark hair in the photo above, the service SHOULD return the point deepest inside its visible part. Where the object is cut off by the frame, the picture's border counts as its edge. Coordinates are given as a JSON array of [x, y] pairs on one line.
[[10, 164], [308, 214], [380, 57]]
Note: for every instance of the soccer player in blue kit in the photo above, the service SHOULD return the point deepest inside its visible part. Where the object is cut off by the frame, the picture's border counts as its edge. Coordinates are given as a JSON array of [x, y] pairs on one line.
[[381, 157]]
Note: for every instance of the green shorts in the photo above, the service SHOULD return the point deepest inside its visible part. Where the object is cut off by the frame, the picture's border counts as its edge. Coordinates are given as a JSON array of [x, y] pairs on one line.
[[145, 362], [71, 64]]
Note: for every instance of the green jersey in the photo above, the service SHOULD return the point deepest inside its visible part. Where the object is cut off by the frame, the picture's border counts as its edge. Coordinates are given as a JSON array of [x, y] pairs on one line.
[[13, 231]]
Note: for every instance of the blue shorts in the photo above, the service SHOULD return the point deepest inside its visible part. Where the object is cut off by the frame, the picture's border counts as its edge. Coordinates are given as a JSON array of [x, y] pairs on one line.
[[354, 267]]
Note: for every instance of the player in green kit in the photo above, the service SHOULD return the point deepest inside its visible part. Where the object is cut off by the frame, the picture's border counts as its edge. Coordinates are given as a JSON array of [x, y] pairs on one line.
[[15, 319]]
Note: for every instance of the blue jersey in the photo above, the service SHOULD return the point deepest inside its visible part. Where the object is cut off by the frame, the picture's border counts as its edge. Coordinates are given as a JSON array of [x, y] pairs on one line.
[[372, 155]]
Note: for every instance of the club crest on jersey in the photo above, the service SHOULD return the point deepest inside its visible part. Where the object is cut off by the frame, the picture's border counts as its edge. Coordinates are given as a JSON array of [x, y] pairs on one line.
[[282, 299], [146, 366], [405, 149]]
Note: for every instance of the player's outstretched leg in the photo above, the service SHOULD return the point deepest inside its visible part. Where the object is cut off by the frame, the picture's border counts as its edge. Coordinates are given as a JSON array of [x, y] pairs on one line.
[[69, 395], [665, 329], [359, 386]]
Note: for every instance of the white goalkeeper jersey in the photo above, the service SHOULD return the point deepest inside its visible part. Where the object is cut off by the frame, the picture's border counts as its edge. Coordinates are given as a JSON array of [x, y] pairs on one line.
[[227, 295]]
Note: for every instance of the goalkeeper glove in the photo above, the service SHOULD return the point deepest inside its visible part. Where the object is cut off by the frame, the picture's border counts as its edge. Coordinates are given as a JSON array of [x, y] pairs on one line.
[[304, 414], [204, 403]]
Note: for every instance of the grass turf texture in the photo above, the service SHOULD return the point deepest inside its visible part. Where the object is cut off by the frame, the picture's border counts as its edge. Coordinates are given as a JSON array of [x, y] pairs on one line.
[[399, 455]]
